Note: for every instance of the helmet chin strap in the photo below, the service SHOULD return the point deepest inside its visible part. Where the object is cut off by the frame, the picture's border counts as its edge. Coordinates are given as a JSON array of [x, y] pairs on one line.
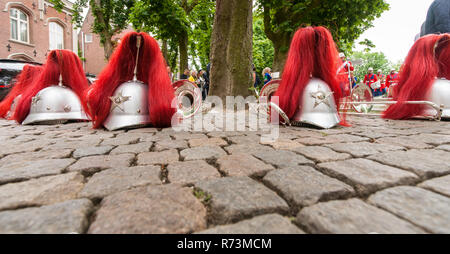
[[138, 45]]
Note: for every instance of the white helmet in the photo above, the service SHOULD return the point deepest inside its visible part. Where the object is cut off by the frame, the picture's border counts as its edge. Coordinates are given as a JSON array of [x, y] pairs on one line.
[[55, 105], [370, 69], [319, 107], [440, 95], [129, 107]]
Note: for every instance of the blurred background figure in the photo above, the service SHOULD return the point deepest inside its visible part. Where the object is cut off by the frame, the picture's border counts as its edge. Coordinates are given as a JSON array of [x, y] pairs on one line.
[[185, 75], [267, 75], [438, 18]]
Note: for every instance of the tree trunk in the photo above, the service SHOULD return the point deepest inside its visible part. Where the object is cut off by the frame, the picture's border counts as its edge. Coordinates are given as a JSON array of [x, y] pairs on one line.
[[183, 45], [231, 49], [165, 51], [281, 46], [108, 46]]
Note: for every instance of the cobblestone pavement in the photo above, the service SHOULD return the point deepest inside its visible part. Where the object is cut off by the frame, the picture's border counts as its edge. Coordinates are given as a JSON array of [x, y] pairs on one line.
[[375, 177]]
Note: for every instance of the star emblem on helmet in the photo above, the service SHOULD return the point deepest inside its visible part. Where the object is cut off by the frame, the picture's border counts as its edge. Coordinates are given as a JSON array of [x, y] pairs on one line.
[[321, 97], [35, 99], [118, 100]]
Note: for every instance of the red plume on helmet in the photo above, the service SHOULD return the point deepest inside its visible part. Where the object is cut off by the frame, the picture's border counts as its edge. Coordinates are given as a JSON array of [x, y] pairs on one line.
[[24, 79], [58, 61], [120, 69], [428, 59], [312, 53]]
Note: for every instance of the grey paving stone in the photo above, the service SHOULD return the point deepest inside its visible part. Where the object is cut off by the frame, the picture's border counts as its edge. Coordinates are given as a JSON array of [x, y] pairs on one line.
[[243, 165], [363, 149], [187, 136], [331, 139], [444, 147], [20, 147], [135, 148], [367, 176], [20, 171], [237, 198], [35, 156], [304, 186], [404, 141], [154, 158], [440, 185], [93, 164], [120, 179], [284, 144], [321, 154], [150, 210], [189, 172], [425, 163], [433, 139], [202, 153], [122, 139], [265, 224], [352, 217], [421, 207], [207, 142], [281, 159], [248, 149], [170, 144], [42, 191], [92, 151], [62, 218]]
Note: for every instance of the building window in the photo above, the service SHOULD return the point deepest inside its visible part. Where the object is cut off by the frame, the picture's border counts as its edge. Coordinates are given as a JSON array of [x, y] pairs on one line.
[[19, 25], [88, 38], [56, 33]]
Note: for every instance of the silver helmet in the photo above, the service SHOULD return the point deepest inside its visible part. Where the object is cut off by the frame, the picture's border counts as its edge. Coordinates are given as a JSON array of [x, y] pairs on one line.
[[129, 107], [55, 105], [319, 107], [440, 95]]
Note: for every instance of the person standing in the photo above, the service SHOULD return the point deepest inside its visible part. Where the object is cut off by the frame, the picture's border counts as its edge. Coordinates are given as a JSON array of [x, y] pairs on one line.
[[391, 80], [382, 78], [369, 79], [343, 74], [185, 75], [267, 75], [353, 79], [193, 76]]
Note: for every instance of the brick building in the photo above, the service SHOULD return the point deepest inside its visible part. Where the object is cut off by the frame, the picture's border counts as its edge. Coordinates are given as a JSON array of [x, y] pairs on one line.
[[92, 51], [29, 29]]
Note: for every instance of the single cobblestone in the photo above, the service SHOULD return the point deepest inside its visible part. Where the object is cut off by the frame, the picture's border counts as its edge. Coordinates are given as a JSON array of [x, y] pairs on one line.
[[425, 163], [96, 163], [352, 217], [304, 186], [265, 224], [331, 139], [363, 149], [189, 172], [207, 142], [444, 147], [284, 144], [150, 210], [160, 158], [202, 153], [25, 170], [63, 218], [421, 207], [92, 151], [440, 185], [248, 149], [367, 176], [282, 159], [116, 180], [42, 191], [321, 154], [35, 156], [243, 165], [170, 144], [405, 142], [237, 198], [135, 148]]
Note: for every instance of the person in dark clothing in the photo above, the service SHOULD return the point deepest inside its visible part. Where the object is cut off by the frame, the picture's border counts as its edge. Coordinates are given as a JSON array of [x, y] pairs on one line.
[[185, 75], [438, 18], [206, 76]]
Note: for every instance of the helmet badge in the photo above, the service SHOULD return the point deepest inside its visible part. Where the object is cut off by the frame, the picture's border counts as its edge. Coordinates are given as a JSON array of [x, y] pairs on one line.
[[321, 97]]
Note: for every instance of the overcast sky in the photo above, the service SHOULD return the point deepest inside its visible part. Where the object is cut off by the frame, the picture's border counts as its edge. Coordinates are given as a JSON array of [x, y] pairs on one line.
[[394, 32]]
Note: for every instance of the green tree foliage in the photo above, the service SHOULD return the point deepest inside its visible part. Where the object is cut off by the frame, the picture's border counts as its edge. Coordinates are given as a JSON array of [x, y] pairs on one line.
[[110, 18], [262, 47], [346, 19], [362, 61], [201, 20]]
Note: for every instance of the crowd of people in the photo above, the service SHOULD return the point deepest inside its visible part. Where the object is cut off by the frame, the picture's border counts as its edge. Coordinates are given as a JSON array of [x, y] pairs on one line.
[[379, 83], [200, 78]]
